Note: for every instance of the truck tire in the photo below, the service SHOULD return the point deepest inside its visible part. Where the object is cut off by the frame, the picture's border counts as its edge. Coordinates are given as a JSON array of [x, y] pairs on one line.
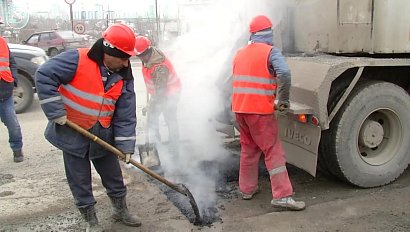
[[337, 90], [23, 94], [369, 144]]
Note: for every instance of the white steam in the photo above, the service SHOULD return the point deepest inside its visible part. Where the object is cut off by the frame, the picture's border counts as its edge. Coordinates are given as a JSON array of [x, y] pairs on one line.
[[201, 56]]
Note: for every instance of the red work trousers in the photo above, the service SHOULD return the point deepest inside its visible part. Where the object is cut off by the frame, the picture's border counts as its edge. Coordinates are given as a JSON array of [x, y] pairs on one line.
[[259, 134]]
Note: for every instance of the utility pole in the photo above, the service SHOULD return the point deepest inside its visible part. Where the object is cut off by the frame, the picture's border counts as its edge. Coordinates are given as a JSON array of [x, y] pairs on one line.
[[157, 21], [110, 16], [70, 3]]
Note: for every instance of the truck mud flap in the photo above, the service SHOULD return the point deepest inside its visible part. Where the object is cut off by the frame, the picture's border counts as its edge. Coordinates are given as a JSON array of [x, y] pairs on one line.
[[300, 142]]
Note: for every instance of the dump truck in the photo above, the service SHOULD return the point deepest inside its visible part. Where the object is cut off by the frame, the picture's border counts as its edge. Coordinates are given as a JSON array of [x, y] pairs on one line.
[[350, 106]]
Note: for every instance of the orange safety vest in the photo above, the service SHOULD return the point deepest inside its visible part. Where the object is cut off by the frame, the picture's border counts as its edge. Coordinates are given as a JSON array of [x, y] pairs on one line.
[[5, 72], [254, 88], [84, 97], [173, 84]]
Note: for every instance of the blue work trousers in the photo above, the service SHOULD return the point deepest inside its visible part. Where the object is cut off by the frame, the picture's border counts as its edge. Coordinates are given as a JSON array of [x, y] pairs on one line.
[[9, 118], [78, 173]]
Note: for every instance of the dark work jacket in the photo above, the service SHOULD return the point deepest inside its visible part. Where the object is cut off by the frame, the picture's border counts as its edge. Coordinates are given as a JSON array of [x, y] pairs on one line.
[[6, 88], [60, 70]]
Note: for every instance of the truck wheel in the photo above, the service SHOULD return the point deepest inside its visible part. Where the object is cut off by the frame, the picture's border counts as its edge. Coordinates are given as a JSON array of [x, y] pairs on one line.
[[23, 94], [337, 90], [369, 144]]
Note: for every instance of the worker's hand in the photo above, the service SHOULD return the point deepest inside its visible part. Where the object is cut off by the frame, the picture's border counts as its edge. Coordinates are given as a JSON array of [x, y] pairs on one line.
[[61, 120], [283, 107], [127, 158]]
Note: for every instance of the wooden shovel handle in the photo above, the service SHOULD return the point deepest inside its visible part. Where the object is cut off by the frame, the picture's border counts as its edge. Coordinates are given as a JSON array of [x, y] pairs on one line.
[[121, 156]]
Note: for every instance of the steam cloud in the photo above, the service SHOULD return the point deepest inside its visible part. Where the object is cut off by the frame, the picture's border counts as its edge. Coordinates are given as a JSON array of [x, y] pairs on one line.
[[201, 56]]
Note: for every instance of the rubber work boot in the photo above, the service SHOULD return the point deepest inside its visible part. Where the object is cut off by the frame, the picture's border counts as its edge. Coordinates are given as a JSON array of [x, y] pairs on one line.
[[18, 156], [287, 203], [90, 216], [120, 212]]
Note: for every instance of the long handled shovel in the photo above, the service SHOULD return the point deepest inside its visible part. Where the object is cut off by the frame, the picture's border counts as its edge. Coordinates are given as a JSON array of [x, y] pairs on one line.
[[181, 188]]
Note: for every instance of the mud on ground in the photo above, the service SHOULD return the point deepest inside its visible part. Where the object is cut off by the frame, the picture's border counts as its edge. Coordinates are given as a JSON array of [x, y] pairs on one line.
[[34, 196]]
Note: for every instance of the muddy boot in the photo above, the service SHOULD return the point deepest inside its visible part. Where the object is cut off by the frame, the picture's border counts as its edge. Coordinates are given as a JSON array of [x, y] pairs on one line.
[[287, 203], [90, 216], [120, 212], [18, 156]]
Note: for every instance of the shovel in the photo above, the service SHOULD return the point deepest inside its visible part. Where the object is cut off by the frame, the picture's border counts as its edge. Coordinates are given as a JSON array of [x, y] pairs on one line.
[[149, 156], [181, 188]]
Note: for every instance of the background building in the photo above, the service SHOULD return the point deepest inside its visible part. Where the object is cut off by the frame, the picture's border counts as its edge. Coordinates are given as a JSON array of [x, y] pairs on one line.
[[157, 19]]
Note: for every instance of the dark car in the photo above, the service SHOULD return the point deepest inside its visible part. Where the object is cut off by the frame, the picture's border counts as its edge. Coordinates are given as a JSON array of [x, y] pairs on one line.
[[55, 42], [28, 59]]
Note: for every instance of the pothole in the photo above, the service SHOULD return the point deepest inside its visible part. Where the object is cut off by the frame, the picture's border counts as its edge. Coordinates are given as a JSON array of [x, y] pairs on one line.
[[211, 184], [6, 178], [6, 193], [224, 177]]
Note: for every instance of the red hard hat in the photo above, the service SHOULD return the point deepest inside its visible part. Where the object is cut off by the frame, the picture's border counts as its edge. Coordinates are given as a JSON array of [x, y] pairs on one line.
[[142, 43], [121, 37], [259, 23]]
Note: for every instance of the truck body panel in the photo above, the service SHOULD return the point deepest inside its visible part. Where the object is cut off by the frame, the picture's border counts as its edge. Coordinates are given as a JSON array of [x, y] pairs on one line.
[[391, 26], [349, 26], [300, 142]]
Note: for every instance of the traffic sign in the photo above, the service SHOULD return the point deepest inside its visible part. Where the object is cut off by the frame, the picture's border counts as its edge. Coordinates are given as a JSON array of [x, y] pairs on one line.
[[70, 2], [79, 28], [18, 15]]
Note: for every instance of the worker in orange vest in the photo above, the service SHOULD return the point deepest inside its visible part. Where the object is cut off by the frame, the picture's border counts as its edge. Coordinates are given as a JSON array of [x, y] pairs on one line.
[[259, 72], [8, 72], [94, 88], [164, 87]]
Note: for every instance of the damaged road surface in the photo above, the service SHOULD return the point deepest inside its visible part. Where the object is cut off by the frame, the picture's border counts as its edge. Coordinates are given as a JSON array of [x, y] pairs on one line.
[[34, 196]]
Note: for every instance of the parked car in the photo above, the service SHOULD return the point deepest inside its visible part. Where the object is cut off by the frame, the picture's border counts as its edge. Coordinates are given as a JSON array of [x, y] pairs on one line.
[[55, 42], [28, 59]]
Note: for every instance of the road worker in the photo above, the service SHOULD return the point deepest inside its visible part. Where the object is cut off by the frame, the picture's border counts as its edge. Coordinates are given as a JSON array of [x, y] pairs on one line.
[[164, 87], [8, 75], [94, 88], [260, 74]]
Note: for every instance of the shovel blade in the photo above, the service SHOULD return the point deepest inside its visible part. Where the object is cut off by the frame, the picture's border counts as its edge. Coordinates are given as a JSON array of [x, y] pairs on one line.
[[149, 156]]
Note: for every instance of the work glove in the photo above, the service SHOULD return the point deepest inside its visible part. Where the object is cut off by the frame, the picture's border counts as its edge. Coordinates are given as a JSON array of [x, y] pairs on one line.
[[283, 107], [61, 120], [127, 158]]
